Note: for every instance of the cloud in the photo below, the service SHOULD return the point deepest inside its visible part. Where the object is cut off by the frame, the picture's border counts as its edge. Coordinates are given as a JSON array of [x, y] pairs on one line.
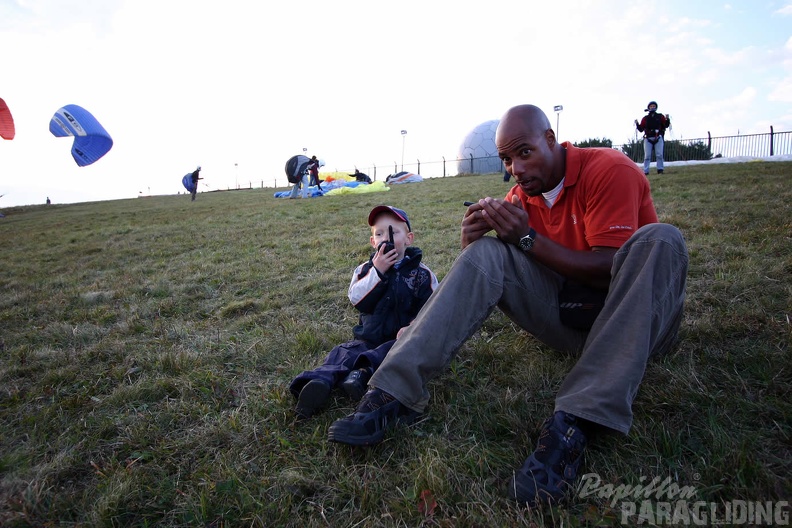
[[707, 76], [784, 11], [723, 58], [782, 91], [687, 24]]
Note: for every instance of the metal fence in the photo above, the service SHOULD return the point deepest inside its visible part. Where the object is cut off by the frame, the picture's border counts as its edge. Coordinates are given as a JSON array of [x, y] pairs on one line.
[[751, 145], [437, 169], [704, 148]]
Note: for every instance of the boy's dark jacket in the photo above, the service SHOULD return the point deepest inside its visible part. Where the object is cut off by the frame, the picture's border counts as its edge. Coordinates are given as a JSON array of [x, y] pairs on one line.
[[395, 301]]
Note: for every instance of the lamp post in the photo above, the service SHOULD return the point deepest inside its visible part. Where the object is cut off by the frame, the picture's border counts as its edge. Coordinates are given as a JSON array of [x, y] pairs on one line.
[[557, 109], [404, 135]]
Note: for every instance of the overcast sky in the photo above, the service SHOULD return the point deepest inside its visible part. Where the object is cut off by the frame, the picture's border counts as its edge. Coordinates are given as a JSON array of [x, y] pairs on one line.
[[238, 86]]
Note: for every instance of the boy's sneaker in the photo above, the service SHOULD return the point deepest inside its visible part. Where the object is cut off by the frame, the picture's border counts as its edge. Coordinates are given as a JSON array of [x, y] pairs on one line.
[[549, 474], [660, 171], [356, 383], [313, 397], [378, 411]]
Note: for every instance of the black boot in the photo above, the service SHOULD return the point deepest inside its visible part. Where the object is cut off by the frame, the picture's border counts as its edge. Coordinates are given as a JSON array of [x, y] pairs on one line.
[[356, 383]]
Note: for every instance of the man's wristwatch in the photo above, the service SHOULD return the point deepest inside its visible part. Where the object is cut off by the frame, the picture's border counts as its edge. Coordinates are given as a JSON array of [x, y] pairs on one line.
[[527, 242]]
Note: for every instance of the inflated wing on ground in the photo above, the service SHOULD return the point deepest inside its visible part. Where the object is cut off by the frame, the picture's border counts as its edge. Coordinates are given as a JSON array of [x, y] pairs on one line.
[[91, 140], [403, 177]]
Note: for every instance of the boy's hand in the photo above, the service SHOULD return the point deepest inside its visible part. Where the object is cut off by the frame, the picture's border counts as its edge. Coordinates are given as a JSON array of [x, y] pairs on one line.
[[383, 261], [401, 331]]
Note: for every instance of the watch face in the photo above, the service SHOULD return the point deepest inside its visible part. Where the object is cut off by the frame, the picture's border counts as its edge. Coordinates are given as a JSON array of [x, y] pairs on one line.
[[526, 242]]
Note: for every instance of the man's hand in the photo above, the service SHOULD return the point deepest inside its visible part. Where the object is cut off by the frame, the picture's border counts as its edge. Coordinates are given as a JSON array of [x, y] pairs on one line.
[[507, 219], [473, 225]]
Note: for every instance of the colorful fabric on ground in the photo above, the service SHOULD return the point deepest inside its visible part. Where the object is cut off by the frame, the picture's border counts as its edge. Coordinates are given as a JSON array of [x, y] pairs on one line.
[[336, 187]]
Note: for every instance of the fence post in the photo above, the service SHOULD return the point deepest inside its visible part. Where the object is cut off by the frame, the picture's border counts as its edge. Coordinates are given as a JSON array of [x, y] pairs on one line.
[[419, 167], [771, 140], [375, 172], [471, 164], [443, 166], [709, 141], [395, 168]]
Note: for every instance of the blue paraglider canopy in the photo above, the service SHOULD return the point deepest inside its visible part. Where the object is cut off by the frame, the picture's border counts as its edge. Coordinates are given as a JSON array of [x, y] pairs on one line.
[[91, 140], [188, 183]]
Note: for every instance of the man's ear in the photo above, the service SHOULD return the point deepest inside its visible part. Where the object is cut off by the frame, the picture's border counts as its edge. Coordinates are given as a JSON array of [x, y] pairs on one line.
[[550, 137]]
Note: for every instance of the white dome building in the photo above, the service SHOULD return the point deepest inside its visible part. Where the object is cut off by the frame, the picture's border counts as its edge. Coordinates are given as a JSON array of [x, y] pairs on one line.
[[480, 145]]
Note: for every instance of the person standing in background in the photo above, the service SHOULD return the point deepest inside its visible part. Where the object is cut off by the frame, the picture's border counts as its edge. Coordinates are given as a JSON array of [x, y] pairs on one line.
[[313, 170], [653, 126], [195, 177]]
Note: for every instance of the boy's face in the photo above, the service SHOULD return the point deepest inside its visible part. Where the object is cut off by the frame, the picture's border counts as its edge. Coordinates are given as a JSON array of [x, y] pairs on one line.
[[401, 237]]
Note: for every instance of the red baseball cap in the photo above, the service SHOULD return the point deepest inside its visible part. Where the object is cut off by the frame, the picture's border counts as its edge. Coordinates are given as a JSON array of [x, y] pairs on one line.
[[401, 215]]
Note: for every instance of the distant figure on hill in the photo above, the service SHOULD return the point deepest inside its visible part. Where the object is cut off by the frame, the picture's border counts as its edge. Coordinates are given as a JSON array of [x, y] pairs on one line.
[[195, 177], [653, 125], [313, 170], [48, 200], [361, 177]]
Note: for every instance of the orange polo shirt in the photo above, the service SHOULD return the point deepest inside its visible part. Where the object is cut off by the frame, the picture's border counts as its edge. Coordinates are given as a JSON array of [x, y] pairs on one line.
[[605, 199]]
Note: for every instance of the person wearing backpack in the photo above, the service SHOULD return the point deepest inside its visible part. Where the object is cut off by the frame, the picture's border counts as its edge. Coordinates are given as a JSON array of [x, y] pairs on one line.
[[313, 170], [653, 125], [297, 174], [194, 179]]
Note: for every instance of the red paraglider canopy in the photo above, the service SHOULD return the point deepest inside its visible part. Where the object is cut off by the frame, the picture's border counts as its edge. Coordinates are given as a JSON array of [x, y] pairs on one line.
[[7, 130]]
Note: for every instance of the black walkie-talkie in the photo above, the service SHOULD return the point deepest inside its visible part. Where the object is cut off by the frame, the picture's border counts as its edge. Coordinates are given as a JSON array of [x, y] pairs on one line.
[[389, 245]]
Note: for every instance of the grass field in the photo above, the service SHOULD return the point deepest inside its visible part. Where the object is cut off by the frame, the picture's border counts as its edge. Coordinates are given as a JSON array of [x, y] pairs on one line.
[[146, 348]]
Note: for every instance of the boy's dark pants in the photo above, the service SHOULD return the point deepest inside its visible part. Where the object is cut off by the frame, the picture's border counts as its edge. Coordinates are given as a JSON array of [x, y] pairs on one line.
[[342, 360]]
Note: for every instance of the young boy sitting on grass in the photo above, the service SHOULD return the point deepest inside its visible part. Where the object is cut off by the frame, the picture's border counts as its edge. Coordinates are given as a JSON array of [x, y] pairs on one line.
[[389, 290]]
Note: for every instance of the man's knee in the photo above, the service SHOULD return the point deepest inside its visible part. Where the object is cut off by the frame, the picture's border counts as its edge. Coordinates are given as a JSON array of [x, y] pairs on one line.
[[665, 238], [485, 249], [485, 256], [661, 232]]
